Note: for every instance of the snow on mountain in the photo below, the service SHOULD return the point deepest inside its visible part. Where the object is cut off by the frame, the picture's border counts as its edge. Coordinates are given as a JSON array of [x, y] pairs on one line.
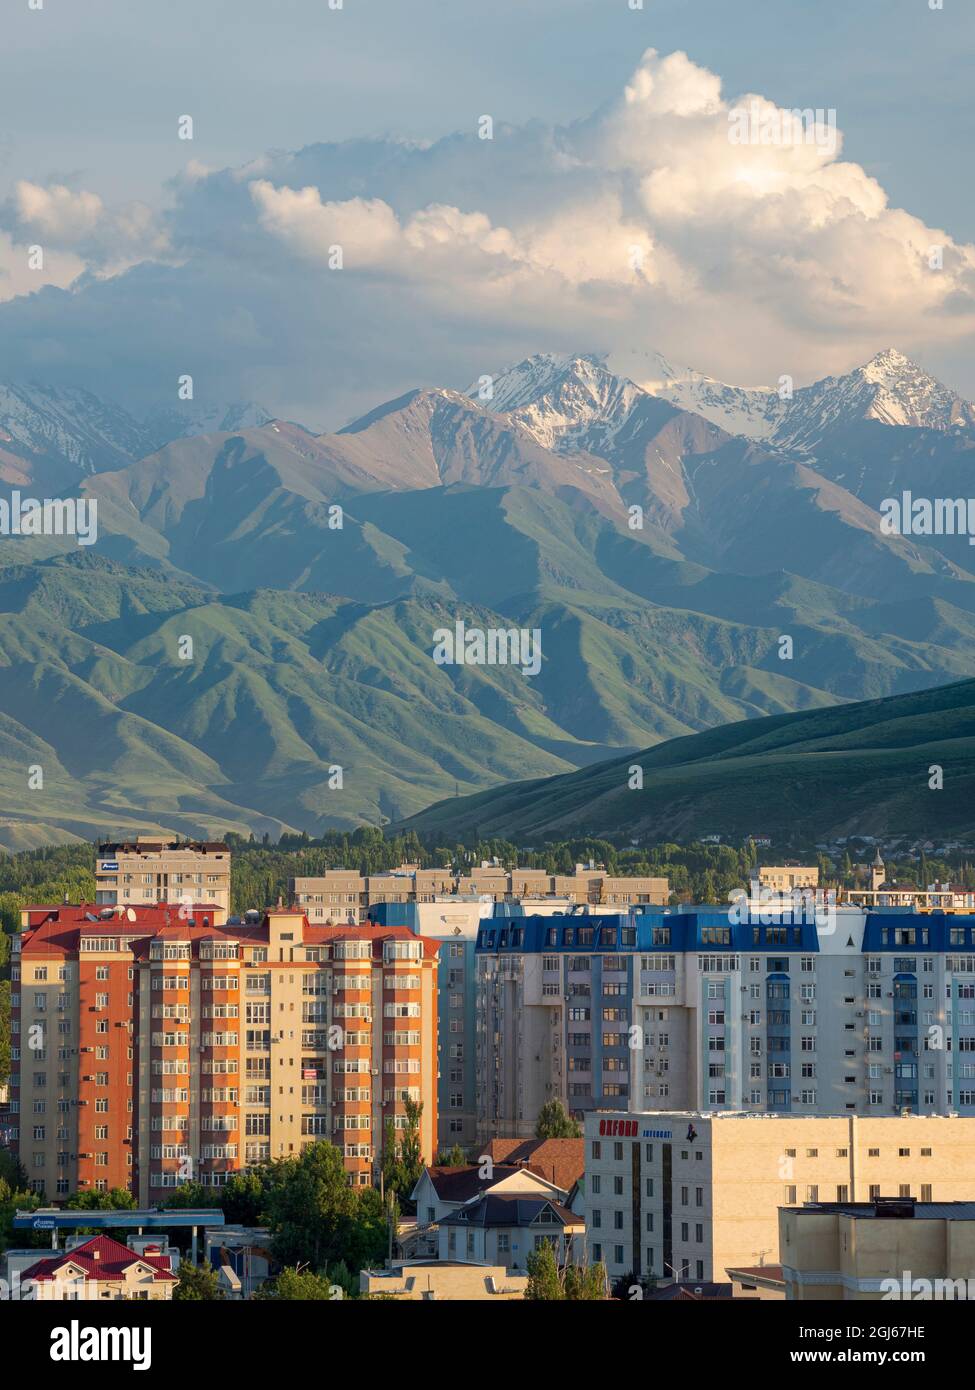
[[61, 432], [568, 404], [572, 403], [753, 411], [68, 427], [184, 421], [889, 388]]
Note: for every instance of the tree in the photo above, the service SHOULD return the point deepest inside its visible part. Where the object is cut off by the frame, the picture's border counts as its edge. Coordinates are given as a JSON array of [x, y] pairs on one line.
[[197, 1283], [554, 1123], [300, 1286], [584, 1282], [119, 1199], [189, 1194], [452, 1158], [14, 1197], [548, 1282], [402, 1162], [244, 1197], [313, 1212], [544, 1284]]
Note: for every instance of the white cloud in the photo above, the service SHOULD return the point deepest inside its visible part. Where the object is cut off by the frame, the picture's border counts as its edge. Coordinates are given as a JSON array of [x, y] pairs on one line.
[[18, 277], [108, 239], [643, 226], [57, 213]]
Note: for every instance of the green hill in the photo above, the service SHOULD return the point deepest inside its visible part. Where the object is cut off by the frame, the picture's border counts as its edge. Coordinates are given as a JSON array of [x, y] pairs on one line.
[[854, 769]]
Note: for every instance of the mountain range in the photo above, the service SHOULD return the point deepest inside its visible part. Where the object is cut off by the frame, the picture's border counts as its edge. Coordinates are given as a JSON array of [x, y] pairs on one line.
[[693, 554]]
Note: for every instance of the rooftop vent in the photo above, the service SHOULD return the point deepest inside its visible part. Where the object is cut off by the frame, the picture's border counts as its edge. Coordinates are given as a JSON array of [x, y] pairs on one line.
[[901, 1208]]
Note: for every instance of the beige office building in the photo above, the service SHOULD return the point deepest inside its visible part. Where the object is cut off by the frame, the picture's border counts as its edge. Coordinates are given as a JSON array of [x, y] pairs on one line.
[[879, 1250], [693, 1194], [341, 895], [786, 878], [145, 871]]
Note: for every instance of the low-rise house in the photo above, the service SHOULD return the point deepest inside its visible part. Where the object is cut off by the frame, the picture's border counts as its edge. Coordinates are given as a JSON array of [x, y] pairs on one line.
[[505, 1228], [442, 1190], [100, 1268]]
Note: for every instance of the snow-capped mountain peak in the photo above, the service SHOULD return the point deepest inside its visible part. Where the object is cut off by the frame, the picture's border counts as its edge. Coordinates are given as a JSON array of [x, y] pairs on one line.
[[580, 402], [67, 427], [566, 403], [902, 393]]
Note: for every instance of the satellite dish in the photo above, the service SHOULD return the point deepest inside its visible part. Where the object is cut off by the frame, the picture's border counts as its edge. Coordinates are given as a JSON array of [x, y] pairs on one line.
[[130, 912]]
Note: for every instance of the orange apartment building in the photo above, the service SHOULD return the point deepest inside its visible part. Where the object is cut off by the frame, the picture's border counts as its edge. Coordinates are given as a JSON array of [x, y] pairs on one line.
[[153, 1045]]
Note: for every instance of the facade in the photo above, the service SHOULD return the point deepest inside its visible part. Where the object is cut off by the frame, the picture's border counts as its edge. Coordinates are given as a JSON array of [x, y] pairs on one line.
[[100, 1268], [341, 895], [747, 1008], [145, 871], [505, 1228], [453, 923], [686, 1195], [867, 1251], [788, 877], [441, 1190], [151, 1048], [440, 1280]]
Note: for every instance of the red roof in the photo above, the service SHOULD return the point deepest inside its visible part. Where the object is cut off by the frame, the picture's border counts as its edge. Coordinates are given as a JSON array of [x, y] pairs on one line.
[[559, 1161], [369, 931], [100, 1258], [57, 931]]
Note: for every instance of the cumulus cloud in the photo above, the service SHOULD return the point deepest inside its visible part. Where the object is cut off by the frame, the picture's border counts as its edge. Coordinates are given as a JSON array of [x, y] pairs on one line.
[[21, 273], [649, 224], [108, 240]]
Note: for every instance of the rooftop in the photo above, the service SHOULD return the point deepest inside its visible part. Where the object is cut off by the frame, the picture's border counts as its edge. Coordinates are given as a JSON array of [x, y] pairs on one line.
[[891, 1209], [558, 1161], [100, 1258], [500, 1209]]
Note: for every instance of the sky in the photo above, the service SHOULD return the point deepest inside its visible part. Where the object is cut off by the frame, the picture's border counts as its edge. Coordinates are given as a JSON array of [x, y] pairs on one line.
[[608, 212]]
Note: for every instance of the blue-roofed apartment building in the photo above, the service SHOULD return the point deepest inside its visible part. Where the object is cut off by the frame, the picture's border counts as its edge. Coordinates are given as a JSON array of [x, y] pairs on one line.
[[843, 1012]]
